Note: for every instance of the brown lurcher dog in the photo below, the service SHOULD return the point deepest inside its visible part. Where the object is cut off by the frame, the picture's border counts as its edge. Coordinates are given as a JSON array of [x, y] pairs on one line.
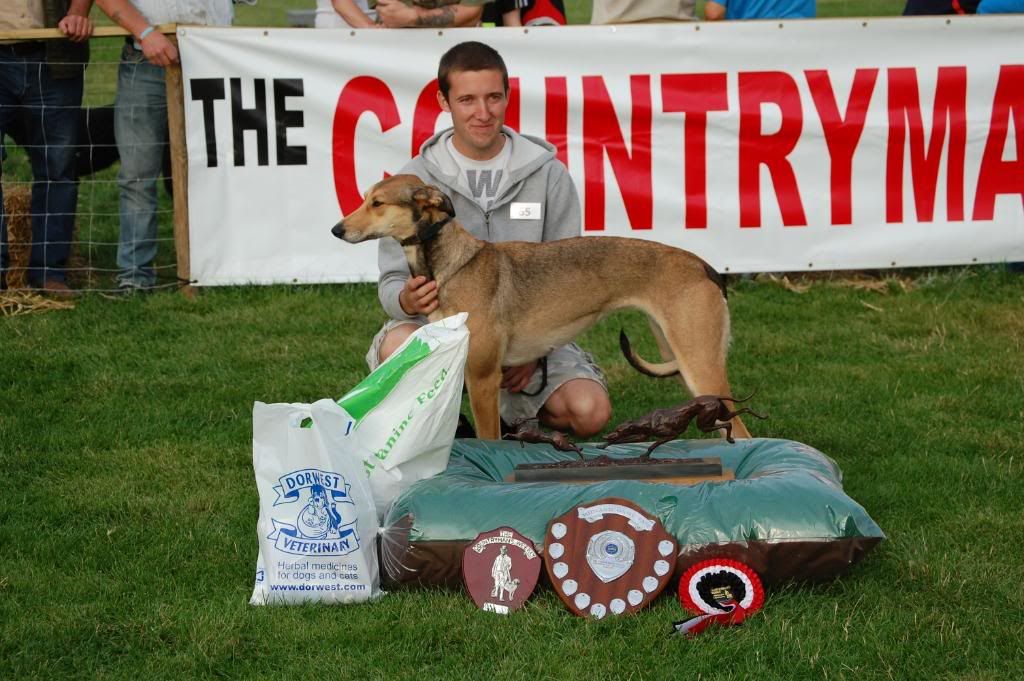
[[526, 299]]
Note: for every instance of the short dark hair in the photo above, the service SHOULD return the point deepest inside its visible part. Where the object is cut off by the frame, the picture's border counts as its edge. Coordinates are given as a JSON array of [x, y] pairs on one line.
[[469, 56]]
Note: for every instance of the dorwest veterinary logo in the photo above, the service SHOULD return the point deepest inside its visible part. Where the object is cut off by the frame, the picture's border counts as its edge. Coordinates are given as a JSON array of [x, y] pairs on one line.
[[321, 517]]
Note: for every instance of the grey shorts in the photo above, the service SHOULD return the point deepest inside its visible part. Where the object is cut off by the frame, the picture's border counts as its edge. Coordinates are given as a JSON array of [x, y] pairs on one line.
[[564, 364]]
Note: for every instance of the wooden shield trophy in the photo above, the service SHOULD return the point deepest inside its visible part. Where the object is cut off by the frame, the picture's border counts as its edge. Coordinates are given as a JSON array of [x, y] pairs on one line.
[[608, 557], [500, 569]]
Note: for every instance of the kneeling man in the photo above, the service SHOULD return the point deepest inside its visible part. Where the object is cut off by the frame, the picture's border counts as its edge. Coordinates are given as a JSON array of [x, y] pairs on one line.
[[504, 187]]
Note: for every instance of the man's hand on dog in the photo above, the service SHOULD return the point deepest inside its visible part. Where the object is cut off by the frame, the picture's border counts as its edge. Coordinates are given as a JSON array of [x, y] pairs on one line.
[[419, 296], [515, 379]]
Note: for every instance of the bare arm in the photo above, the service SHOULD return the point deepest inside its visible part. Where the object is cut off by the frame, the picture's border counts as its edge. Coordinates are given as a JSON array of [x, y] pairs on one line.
[[157, 48], [80, 7], [76, 24], [124, 14], [396, 14], [713, 11], [352, 15]]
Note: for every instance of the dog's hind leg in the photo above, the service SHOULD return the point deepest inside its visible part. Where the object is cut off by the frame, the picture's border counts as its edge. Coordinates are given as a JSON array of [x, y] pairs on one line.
[[697, 332]]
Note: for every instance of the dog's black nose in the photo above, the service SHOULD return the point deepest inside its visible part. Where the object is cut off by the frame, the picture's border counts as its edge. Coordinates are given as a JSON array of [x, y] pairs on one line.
[[339, 230]]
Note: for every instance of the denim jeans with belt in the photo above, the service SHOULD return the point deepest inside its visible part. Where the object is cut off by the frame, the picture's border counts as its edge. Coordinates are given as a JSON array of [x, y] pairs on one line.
[[140, 125], [44, 112]]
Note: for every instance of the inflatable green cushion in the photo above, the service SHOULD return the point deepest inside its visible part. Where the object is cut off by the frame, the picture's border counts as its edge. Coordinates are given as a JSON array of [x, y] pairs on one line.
[[785, 515]]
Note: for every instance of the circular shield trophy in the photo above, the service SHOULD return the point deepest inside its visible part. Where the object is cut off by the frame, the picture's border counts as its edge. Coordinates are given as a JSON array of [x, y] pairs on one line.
[[608, 557], [500, 569]]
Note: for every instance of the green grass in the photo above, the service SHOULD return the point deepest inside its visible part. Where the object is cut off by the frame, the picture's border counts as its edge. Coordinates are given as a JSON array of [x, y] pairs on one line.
[[128, 505]]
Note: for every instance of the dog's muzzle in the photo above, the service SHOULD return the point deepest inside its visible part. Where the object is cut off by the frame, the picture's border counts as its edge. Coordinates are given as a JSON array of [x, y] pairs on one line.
[[339, 230]]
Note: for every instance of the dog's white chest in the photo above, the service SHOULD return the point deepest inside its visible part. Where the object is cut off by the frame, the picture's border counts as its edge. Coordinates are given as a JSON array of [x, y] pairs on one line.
[[522, 351], [524, 347]]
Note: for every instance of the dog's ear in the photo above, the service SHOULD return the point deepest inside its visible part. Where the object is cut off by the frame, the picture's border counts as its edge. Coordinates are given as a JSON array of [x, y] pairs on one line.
[[428, 197]]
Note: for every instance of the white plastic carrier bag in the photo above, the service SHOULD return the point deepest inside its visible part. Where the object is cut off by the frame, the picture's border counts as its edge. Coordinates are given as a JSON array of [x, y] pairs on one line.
[[405, 413], [317, 526]]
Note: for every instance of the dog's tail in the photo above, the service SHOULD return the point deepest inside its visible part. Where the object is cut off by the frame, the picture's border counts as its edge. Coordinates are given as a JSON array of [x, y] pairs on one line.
[[662, 370]]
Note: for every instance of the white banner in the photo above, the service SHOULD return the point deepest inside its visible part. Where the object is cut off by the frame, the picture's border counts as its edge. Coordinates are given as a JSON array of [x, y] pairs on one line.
[[760, 146]]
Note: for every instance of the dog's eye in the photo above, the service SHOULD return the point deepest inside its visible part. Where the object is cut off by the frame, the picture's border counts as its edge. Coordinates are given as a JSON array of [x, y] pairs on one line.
[[377, 203]]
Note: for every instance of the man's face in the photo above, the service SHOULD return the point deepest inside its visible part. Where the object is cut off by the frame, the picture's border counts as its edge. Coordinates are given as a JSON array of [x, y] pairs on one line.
[[477, 103]]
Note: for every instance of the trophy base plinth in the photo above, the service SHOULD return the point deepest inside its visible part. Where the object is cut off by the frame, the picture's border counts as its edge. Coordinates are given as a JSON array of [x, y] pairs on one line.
[[604, 468]]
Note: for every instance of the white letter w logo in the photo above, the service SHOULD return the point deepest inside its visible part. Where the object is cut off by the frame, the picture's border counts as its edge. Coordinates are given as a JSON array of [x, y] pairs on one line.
[[486, 182]]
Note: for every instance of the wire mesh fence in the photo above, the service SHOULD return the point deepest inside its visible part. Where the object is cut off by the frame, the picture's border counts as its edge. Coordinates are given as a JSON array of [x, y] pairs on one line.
[[105, 249]]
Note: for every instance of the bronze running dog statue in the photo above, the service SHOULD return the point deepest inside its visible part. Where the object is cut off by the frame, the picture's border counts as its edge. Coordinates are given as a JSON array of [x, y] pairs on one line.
[[535, 434], [710, 411], [526, 299]]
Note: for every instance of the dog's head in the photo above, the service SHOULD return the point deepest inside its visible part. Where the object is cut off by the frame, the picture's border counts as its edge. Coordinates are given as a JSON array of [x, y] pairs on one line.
[[401, 206]]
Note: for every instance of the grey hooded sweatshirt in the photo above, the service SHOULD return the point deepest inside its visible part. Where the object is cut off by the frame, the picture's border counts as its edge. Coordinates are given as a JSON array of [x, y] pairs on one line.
[[535, 176]]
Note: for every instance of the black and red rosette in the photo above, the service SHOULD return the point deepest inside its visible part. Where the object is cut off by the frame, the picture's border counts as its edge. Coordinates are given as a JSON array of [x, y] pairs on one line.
[[720, 592]]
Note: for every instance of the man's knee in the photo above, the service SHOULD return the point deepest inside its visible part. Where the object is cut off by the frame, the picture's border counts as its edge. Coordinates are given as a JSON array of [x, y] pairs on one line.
[[590, 413], [580, 405], [394, 339]]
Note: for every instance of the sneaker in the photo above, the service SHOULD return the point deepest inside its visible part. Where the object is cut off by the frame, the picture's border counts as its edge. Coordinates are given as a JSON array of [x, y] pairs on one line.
[[58, 289], [127, 288]]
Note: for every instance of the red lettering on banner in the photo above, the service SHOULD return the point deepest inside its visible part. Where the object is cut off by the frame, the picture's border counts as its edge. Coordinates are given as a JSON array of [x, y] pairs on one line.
[[512, 112], [842, 133], [601, 134], [757, 149], [695, 95], [360, 95], [905, 120], [424, 118], [556, 116], [997, 176]]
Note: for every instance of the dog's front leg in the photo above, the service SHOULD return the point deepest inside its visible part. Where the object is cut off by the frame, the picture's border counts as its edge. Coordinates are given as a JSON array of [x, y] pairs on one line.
[[483, 380]]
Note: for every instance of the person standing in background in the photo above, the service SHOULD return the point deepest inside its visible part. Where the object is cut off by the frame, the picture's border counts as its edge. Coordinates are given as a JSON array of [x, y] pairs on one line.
[[637, 11], [525, 13], [939, 7], [140, 122], [715, 10], [1001, 7], [40, 94]]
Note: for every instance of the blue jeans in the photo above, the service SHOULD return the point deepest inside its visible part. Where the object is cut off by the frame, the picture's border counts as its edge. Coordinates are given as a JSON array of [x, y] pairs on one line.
[[140, 125], [45, 110]]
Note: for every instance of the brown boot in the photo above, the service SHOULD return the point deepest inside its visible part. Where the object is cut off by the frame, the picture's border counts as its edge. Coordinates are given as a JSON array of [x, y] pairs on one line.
[[58, 289]]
